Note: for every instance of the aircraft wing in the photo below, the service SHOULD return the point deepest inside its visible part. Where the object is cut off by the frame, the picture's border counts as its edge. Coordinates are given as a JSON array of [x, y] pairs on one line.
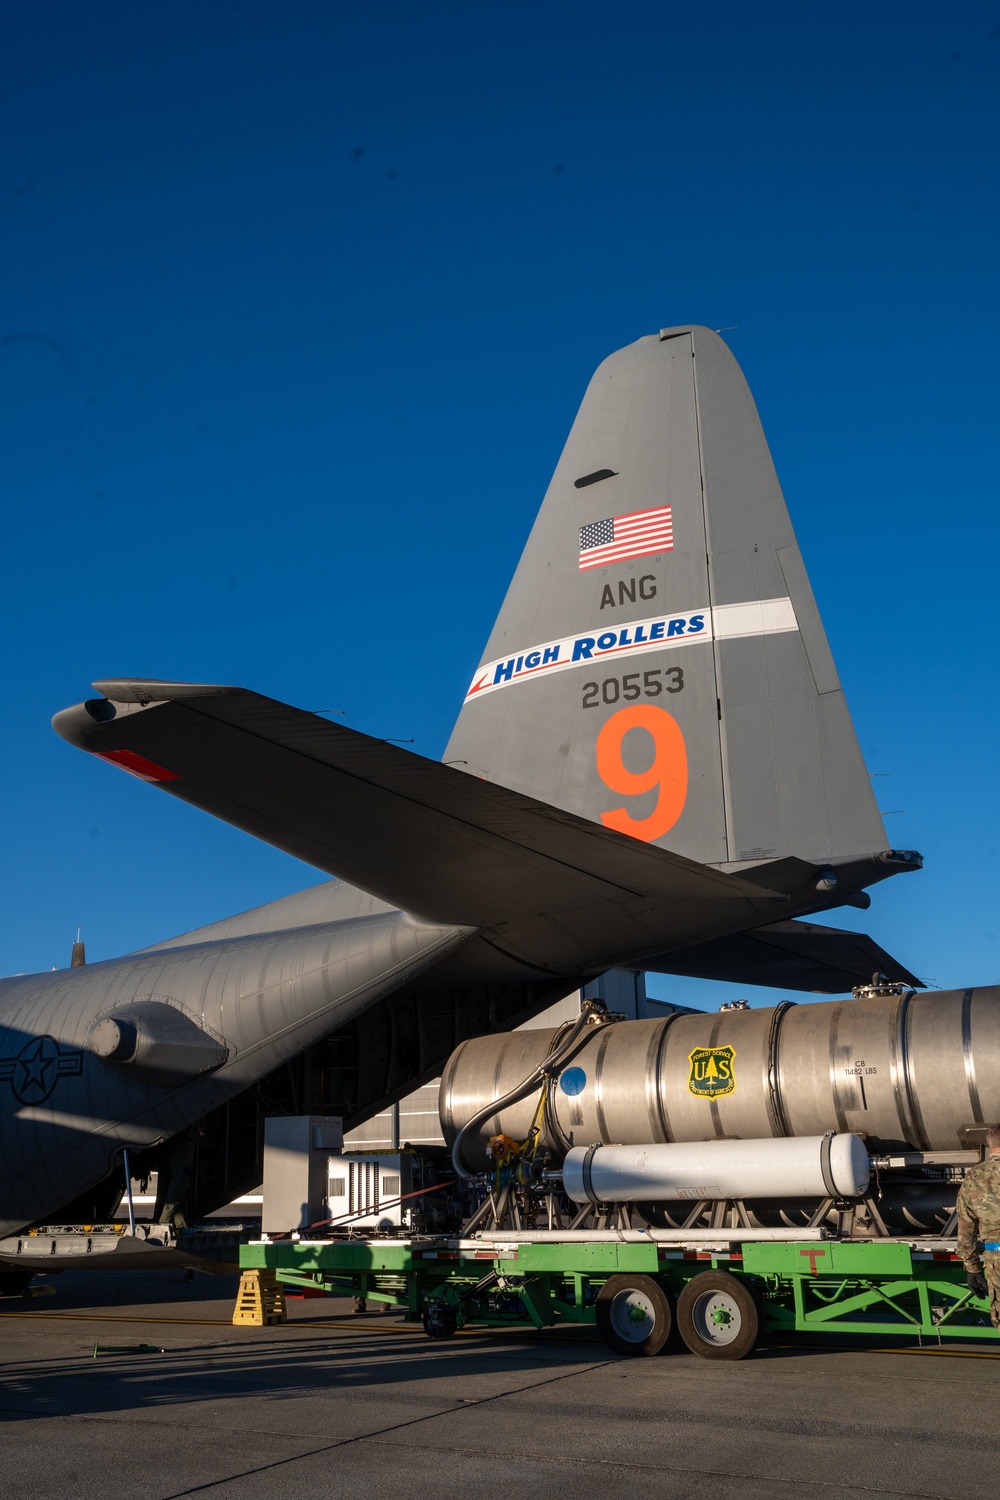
[[424, 836], [788, 955]]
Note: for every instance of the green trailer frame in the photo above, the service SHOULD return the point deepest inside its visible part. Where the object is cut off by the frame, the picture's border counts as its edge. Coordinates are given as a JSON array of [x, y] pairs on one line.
[[636, 1292]]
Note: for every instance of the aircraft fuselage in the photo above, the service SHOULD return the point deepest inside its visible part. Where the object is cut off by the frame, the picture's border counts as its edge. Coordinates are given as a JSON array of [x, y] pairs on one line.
[[130, 1052]]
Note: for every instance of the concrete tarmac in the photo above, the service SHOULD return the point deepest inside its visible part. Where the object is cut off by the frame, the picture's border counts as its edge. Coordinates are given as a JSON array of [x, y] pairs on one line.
[[332, 1405]]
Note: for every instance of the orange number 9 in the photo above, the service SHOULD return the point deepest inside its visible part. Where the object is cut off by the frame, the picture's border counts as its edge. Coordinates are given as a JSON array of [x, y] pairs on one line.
[[669, 770]]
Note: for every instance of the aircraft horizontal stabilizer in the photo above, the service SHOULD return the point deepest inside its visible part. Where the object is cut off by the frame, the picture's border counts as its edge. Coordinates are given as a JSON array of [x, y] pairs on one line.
[[424, 836], [788, 955]]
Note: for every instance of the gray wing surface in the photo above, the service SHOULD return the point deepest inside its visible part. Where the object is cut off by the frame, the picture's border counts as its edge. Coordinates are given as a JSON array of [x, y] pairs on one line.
[[418, 834], [788, 955]]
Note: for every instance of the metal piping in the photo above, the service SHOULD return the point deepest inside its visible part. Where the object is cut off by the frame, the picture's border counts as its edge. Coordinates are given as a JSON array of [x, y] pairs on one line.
[[724, 1236], [537, 1076]]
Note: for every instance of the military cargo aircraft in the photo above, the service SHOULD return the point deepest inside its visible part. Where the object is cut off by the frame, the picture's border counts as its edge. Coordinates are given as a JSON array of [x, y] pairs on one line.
[[654, 768]]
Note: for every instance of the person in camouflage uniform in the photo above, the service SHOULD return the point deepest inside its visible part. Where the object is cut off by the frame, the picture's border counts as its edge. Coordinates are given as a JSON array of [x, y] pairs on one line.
[[978, 1209]]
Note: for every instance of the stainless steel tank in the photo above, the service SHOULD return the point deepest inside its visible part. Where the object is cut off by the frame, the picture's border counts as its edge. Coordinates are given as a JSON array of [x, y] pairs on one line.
[[909, 1070]]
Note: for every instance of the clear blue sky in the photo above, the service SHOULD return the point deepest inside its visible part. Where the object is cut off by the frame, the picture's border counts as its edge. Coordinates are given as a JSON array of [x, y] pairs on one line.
[[298, 303]]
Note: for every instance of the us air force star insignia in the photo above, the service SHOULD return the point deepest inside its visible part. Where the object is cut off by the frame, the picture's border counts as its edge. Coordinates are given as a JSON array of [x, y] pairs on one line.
[[37, 1068], [711, 1073]]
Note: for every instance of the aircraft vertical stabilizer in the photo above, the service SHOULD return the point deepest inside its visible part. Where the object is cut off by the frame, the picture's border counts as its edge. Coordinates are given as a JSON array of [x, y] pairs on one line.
[[659, 664]]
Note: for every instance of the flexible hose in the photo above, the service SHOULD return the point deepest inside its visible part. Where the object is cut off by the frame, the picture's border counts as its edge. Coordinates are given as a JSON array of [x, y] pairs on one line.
[[534, 1078]]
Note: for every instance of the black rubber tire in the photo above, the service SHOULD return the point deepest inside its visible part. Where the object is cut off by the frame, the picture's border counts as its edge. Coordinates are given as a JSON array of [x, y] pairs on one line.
[[442, 1326], [719, 1316], [13, 1283], [635, 1315]]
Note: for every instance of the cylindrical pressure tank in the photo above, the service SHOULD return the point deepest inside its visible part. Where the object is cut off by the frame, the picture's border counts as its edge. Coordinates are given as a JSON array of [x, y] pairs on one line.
[[906, 1071], [834, 1166]]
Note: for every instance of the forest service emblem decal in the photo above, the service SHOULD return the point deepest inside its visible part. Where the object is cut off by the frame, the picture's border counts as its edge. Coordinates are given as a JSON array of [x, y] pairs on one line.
[[711, 1073]]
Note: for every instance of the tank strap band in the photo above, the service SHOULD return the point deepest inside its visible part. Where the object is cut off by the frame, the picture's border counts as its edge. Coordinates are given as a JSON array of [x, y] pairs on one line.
[[587, 1172], [824, 1164]]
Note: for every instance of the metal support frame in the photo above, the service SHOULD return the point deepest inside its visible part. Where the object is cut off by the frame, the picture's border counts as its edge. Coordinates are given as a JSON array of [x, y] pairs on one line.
[[883, 1287], [128, 1191]]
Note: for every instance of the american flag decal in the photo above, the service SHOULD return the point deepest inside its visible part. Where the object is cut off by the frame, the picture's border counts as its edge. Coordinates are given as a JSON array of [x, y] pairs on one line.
[[618, 538]]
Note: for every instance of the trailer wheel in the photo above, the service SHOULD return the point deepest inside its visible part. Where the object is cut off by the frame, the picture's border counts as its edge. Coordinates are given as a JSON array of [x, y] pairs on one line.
[[440, 1321], [719, 1316], [634, 1314]]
